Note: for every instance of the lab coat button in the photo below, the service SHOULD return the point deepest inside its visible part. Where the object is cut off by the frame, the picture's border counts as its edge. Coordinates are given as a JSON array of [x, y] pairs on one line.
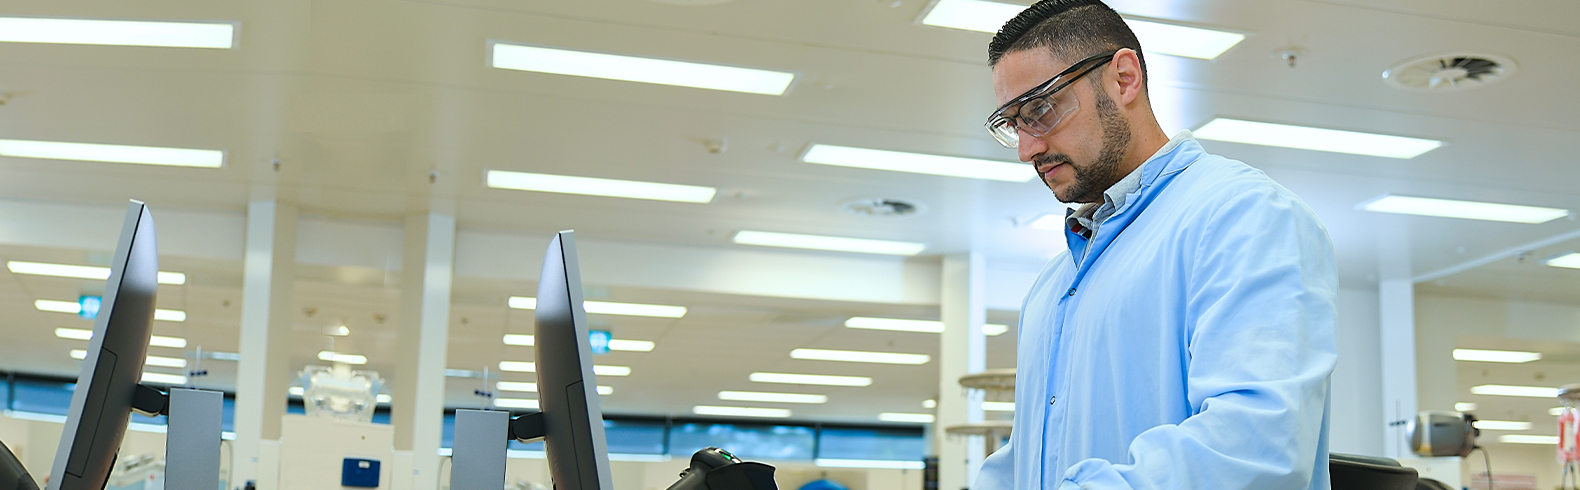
[[1052, 399], [1072, 292]]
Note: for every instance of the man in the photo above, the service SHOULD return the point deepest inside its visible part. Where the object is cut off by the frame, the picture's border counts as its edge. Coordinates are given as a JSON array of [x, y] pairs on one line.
[[1186, 339]]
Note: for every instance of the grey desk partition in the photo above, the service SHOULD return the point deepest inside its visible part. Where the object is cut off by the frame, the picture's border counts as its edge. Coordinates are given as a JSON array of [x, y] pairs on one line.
[[193, 440], [477, 457]]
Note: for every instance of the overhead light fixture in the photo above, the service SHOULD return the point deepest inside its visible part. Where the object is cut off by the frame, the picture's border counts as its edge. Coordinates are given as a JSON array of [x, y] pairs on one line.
[[631, 345], [881, 464], [1449, 208], [740, 411], [1318, 139], [1464, 407], [1155, 36], [604, 308], [1506, 390], [637, 69], [332, 356], [92, 152], [161, 378], [57, 306], [605, 390], [517, 367], [169, 362], [210, 35], [526, 403], [915, 418], [339, 331], [919, 163], [153, 340], [519, 339], [1569, 260], [223, 356], [516, 386], [998, 406], [170, 315], [831, 243], [82, 271], [859, 356], [1495, 355], [611, 370], [810, 379], [923, 326], [1501, 425], [1528, 439], [383, 398], [591, 186], [296, 391], [929, 403], [759, 396]]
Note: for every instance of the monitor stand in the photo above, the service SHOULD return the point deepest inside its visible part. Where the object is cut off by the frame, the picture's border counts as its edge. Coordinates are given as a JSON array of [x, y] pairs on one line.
[[477, 455], [193, 437]]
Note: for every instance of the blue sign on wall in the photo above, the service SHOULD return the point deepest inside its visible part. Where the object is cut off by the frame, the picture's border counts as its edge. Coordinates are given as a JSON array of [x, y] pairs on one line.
[[599, 340], [90, 306]]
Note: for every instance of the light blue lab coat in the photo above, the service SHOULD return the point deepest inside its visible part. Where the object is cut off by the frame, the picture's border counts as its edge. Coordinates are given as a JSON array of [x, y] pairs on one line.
[[1187, 345]]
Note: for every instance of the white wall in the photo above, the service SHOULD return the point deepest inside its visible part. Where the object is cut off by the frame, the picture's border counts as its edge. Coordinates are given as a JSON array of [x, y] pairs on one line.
[[1357, 413]]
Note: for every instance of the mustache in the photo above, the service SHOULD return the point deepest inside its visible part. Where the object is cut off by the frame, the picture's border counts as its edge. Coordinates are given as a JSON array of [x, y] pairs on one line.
[[1043, 162]]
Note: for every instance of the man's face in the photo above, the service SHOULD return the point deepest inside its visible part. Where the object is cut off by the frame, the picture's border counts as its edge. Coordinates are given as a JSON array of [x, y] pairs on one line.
[[1079, 158]]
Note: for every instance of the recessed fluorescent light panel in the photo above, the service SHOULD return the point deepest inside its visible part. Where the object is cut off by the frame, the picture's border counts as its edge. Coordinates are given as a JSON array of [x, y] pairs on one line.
[[74, 308], [604, 308], [1464, 407], [1569, 260], [343, 358], [758, 396], [81, 271], [919, 163], [1319, 139], [1528, 439], [168, 379], [929, 403], [117, 32], [1448, 208], [591, 186], [631, 345], [339, 331], [91, 152], [831, 243], [1156, 37], [740, 411], [520, 339], [516, 386], [998, 406], [810, 379], [605, 390], [153, 341], [516, 403], [859, 356], [518, 367], [1505, 390], [915, 418], [169, 362], [1501, 425], [994, 329], [611, 370], [636, 69], [1479, 355], [170, 315]]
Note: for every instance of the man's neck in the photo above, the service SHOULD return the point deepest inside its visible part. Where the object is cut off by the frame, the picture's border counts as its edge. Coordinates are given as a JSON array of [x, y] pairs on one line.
[[1147, 138]]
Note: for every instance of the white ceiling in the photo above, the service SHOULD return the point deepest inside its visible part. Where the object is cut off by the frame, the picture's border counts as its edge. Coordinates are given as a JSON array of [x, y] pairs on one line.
[[362, 100]]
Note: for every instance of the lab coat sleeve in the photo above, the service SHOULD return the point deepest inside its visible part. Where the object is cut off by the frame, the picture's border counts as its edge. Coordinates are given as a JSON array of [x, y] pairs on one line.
[[1260, 318], [998, 470]]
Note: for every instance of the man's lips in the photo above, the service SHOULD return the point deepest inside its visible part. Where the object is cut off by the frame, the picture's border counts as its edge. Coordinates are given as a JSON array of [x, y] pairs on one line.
[[1049, 171]]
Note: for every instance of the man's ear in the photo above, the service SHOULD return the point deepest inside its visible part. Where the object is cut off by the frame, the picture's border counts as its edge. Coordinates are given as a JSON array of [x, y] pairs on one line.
[[1129, 76]]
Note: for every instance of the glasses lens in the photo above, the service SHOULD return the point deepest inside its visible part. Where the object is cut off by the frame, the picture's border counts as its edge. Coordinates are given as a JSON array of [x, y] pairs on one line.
[[1004, 131]]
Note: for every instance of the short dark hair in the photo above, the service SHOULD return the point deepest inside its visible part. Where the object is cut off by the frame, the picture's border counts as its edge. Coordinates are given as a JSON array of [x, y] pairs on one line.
[[1070, 29]]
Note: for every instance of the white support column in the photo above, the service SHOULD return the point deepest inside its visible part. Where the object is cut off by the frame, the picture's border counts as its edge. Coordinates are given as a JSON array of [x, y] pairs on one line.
[[962, 350], [418, 391], [263, 372], [1396, 307]]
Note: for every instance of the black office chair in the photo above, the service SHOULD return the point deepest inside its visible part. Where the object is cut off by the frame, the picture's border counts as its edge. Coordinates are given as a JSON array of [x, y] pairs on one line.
[[12, 475], [1353, 472]]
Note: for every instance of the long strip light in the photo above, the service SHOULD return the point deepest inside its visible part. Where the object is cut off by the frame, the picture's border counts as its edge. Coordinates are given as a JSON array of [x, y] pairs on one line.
[[831, 243], [154, 340], [859, 356], [644, 70], [161, 378], [94, 152], [74, 308], [1509, 356], [117, 32], [1569, 260], [81, 271], [1501, 425], [810, 379], [1465, 407], [591, 186], [1528, 439], [156, 361], [998, 406], [605, 308], [904, 325], [533, 387], [915, 418], [869, 463], [527, 403], [332, 356], [614, 344], [1506, 390], [740, 411], [530, 367], [1319, 139], [918, 163], [1450, 208], [611, 370], [1155, 36], [760, 396]]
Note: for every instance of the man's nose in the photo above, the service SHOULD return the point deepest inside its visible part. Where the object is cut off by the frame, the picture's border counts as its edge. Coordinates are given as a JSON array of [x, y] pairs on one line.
[[1030, 146]]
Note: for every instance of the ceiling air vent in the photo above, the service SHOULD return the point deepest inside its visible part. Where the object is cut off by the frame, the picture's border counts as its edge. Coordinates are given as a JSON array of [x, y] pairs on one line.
[[879, 207], [1449, 72]]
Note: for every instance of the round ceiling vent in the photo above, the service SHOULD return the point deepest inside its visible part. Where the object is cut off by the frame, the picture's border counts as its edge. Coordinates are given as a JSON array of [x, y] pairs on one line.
[[1452, 72], [879, 207]]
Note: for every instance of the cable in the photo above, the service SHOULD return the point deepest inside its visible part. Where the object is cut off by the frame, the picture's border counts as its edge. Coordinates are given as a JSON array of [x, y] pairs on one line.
[[1488, 460]]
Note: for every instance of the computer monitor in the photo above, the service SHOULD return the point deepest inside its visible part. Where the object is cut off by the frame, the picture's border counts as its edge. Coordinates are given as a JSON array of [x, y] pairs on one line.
[[574, 441], [101, 406]]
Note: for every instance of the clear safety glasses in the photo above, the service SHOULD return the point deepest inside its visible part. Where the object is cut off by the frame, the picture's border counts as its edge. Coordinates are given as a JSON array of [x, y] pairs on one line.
[[1039, 110]]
